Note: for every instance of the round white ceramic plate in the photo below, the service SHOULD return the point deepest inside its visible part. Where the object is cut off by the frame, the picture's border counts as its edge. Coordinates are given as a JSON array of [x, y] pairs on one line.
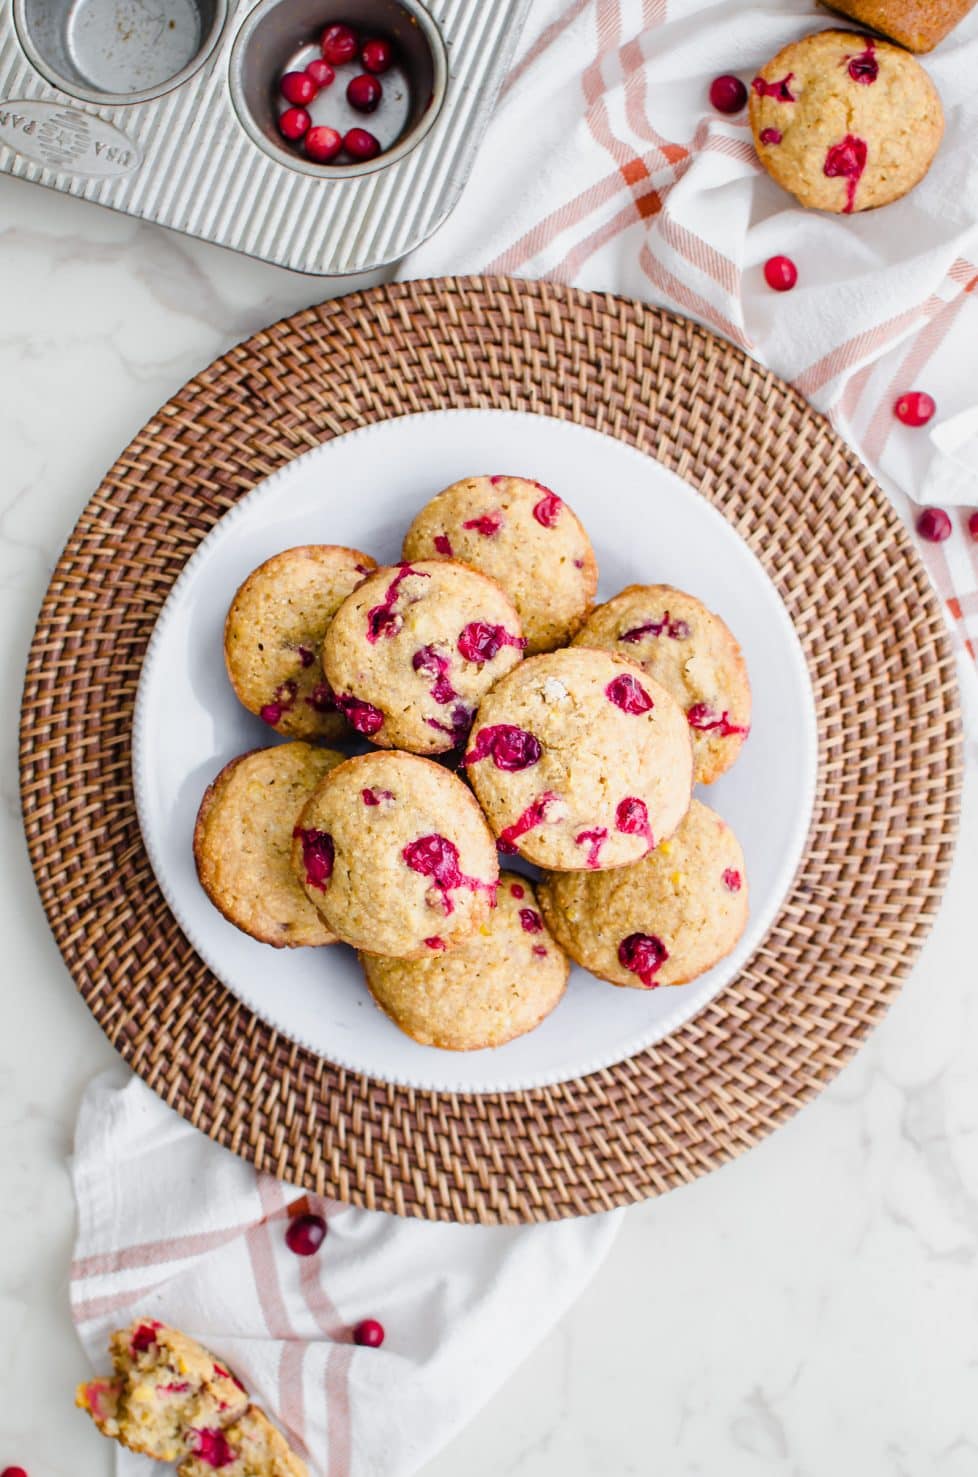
[[363, 489]]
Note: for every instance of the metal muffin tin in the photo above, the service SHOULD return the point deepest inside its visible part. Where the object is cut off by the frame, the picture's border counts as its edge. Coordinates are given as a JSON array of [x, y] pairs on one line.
[[166, 110]]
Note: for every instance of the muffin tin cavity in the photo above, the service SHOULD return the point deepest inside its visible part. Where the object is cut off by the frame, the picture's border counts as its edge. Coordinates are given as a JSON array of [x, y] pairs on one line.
[[282, 36], [118, 51]]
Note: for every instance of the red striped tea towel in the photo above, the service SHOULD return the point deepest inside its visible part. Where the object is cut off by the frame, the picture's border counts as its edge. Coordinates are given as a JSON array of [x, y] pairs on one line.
[[605, 166], [173, 1227]]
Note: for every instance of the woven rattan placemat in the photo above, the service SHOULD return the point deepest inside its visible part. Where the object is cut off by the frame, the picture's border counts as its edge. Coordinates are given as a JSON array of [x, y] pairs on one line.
[[885, 813]]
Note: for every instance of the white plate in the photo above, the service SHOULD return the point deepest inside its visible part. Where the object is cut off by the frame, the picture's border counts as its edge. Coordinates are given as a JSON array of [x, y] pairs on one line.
[[363, 490]]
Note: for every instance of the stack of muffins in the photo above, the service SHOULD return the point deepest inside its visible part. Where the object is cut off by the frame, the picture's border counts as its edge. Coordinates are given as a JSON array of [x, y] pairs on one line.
[[506, 715]]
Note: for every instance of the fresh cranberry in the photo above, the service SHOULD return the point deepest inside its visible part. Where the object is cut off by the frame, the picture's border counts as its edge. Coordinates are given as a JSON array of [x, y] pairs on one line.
[[780, 91], [593, 840], [728, 94], [534, 815], [294, 123], [702, 717], [518, 891], [847, 160], [732, 880], [973, 526], [321, 72], [771, 136], [934, 525], [305, 1234], [780, 273], [437, 857], [377, 55], [488, 524], [323, 144], [13, 1472], [305, 656], [864, 68], [510, 748], [211, 1447], [364, 93], [458, 726], [480, 642], [144, 1338], [339, 44], [317, 856], [632, 819], [361, 144], [627, 693], [298, 88], [375, 797], [443, 545], [322, 698], [539, 951], [282, 702], [530, 920], [434, 942], [643, 954], [675, 630], [369, 1334], [430, 661], [364, 717], [915, 408], [547, 510]]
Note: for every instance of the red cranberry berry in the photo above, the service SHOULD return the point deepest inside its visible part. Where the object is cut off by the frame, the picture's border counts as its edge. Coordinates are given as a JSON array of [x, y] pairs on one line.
[[627, 693], [339, 44], [728, 94], [13, 1472], [377, 55], [643, 954], [294, 123], [321, 72], [732, 880], [973, 526], [915, 408], [318, 855], [322, 144], [298, 88], [361, 144], [934, 525], [212, 1448], [364, 93], [369, 1334], [510, 748], [144, 1338], [305, 1234], [780, 273]]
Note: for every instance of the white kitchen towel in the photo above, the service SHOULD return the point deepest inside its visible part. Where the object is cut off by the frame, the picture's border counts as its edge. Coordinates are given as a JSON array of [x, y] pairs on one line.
[[605, 166], [171, 1226]]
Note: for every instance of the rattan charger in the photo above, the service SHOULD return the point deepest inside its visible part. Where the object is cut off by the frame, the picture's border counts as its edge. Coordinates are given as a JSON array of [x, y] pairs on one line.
[[889, 773]]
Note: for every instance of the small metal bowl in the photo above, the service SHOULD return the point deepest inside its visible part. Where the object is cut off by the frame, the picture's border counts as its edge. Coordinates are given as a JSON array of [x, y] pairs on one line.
[[118, 51], [282, 35]]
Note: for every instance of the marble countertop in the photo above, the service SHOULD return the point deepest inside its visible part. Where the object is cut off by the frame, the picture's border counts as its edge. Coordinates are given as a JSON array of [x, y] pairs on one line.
[[809, 1311]]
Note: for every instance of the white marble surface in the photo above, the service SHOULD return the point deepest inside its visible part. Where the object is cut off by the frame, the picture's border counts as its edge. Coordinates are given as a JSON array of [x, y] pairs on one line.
[[810, 1311]]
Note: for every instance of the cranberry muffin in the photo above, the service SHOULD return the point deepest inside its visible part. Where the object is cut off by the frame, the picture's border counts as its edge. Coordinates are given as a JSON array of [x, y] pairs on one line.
[[243, 843], [396, 855], [500, 983], [580, 761], [693, 654], [663, 922], [410, 653], [524, 537], [274, 632], [846, 122]]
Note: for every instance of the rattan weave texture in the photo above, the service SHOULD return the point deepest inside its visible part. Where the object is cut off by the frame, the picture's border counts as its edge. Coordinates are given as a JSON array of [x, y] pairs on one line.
[[889, 776]]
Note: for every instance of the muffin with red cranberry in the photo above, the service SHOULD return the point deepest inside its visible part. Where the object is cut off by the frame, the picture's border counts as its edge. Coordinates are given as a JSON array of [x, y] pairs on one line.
[[523, 536], [165, 1391], [663, 922], [243, 843], [501, 982], [846, 122], [396, 855], [674, 638], [249, 1447], [274, 632], [580, 761], [410, 653]]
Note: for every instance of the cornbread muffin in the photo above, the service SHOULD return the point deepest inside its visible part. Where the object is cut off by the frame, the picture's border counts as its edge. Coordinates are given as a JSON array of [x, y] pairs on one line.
[[165, 1391], [845, 122], [692, 653], [580, 761], [497, 985], [413, 649], [243, 843], [251, 1447], [274, 632], [663, 922], [394, 852], [917, 24], [525, 538]]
